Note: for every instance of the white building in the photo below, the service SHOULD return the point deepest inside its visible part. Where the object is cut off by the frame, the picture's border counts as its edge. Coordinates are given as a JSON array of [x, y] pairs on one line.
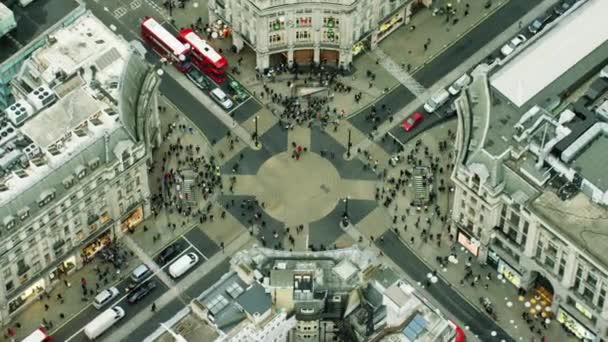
[[73, 153], [531, 191], [295, 31]]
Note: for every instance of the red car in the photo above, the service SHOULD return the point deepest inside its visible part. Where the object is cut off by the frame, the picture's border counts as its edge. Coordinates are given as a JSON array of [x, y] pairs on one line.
[[412, 121]]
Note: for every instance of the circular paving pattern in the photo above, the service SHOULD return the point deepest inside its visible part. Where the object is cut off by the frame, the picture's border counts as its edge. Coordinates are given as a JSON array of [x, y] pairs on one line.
[[298, 191]]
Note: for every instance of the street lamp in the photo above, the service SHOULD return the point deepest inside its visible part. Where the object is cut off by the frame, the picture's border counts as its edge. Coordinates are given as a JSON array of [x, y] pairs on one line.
[[349, 145], [345, 217], [255, 135]]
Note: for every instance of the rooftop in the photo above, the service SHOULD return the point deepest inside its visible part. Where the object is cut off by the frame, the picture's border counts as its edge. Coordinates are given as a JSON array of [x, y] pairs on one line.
[[66, 131], [268, 4], [550, 56], [579, 219], [592, 161], [32, 21]]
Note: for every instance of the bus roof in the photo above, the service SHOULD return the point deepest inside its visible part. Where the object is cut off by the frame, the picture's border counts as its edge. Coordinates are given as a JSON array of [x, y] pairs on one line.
[[36, 336], [165, 36], [201, 46]]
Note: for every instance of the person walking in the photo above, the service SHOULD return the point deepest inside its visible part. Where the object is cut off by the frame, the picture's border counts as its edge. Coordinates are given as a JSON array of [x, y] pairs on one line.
[[153, 309]]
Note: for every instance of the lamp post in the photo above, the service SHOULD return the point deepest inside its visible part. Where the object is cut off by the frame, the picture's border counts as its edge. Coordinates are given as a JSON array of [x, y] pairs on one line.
[[349, 145], [345, 218], [255, 135]]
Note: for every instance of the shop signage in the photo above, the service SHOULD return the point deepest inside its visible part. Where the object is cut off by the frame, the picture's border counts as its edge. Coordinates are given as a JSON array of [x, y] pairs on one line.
[[471, 244], [574, 326], [582, 309], [509, 273]]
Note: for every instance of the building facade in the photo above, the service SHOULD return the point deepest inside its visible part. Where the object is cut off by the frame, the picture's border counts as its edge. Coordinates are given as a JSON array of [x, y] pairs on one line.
[[307, 32], [75, 161], [528, 200]]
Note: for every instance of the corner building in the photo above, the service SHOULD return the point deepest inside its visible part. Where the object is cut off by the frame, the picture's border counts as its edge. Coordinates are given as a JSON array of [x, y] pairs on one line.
[[531, 191], [306, 32], [75, 148]]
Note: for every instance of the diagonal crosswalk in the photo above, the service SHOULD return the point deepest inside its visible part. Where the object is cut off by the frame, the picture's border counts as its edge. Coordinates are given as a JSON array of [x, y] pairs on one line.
[[397, 72]]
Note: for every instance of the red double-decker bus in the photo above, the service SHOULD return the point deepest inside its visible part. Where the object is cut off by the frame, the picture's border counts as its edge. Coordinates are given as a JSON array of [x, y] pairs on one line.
[[39, 335], [204, 56], [165, 44]]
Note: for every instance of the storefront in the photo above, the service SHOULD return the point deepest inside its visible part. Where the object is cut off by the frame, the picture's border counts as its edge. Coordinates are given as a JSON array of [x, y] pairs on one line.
[[89, 251], [304, 56], [468, 242], [573, 325], [133, 219], [26, 296], [509, 273], [330, 57], [390, 25], [63, 269]]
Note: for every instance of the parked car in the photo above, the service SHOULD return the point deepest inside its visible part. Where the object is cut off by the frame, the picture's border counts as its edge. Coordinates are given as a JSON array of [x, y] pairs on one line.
[[438, 99], [237, 91], [412, 121], [199, 79], [168, 254], [104, 297], [460, 83], [563, 7], [516, 41], [539, 23], [218, 95], [141, 291]]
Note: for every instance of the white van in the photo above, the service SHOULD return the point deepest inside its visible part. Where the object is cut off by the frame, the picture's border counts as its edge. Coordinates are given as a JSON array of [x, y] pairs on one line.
[[221, 98], [103, 322], [181, 265], [437, 100], [460, 83]]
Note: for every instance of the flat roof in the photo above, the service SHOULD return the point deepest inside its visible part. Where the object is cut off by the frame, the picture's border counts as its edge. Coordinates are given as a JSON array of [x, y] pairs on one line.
[[583, 222], [566, 43], [592, 160], [32, 21]]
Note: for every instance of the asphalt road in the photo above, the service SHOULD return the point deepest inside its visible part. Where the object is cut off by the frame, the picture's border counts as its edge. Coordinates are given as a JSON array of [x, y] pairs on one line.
[[479, 323], [193, 241], [443, 64]]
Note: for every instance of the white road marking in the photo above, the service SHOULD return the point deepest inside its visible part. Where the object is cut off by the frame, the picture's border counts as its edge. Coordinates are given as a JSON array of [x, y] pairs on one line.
[[120, 12], [135, 4], [240, 104], [196, 249]]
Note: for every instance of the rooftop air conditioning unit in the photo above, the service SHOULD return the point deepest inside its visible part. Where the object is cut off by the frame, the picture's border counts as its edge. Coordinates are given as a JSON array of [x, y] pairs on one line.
[[41, 97], [7, 132], [19, 112], [31, 151]]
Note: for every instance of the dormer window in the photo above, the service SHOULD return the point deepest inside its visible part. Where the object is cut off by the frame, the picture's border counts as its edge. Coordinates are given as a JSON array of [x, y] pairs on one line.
[[9, 222], [68, 182], [93, 164], [24, 213], [46, 197], [80, 171]]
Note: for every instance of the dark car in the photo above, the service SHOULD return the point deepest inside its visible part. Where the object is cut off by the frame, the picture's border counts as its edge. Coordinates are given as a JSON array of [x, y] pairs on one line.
[[141, 291], [562, 7], [168, 253], [539, 23], [199, 79]]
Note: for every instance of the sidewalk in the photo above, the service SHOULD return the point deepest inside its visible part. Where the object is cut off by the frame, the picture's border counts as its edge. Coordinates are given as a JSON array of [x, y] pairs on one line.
[[73, 303], [502, 294]]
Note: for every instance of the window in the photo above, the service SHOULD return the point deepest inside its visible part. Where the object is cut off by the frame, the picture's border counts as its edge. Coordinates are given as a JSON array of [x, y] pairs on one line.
[[303, 35], [331, 22], [331, 36], [276, 25], [304, 21], [591, 279], [9, 286], [514, 221], [276, 39]]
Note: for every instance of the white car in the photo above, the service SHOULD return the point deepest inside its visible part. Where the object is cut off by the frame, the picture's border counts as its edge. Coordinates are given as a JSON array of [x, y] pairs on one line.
[[508, 48], [104, 297], [218, 95]]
